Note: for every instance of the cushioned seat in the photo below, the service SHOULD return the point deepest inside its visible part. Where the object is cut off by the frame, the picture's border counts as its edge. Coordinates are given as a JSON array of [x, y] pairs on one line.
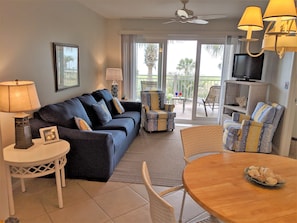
[[253, 133], [156, 115]]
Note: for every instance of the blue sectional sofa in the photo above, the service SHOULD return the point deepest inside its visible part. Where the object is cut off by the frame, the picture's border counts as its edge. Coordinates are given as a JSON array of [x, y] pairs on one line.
[[94, 153]]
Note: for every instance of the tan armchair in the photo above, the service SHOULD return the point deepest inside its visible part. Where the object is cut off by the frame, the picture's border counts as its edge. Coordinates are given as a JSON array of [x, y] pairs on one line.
[[156, 115], [253, 133]]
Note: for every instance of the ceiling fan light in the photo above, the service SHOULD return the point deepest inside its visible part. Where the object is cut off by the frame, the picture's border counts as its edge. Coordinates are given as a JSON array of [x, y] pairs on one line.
[[284, 9], [182, 13], [251, 19]]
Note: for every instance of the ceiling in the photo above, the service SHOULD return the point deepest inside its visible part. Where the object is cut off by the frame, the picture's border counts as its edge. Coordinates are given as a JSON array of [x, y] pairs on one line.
[[165, 9]]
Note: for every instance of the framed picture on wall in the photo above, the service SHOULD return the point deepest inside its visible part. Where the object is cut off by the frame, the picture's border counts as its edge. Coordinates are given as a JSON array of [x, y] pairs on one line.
[[66, 65]]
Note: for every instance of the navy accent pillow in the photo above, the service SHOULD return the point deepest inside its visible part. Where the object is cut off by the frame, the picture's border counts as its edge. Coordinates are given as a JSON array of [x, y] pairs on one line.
[[106, 96], [102, 112], [87, 101]]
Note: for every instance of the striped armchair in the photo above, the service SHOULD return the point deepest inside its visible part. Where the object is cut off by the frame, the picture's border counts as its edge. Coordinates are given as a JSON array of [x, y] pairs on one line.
[[156, 115], [253, 133]]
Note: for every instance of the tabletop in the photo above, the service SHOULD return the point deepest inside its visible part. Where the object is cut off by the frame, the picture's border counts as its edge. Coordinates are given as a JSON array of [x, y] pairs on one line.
[[36, 153], [217, 183]]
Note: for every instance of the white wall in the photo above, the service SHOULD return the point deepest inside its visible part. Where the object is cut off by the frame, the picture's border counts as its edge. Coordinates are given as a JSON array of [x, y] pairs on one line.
[[284, 71], [27, 30]]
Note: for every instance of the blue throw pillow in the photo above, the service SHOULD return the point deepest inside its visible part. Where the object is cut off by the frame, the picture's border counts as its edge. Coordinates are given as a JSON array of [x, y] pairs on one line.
[[106, 96], [263, 113], [102, 112]]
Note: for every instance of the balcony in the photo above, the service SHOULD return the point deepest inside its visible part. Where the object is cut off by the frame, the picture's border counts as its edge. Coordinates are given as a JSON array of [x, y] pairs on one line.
[[183, 86]]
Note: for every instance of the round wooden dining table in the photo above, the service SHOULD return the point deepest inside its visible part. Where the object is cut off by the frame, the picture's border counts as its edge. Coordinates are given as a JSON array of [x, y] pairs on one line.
[[218, 184]]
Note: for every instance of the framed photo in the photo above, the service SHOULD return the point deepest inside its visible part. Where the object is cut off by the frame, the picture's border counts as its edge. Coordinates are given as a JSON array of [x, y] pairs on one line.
[[66, 65], [49, 134]]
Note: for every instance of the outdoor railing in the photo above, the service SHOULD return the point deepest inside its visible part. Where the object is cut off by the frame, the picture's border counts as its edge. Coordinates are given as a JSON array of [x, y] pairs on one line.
[[181, 85]]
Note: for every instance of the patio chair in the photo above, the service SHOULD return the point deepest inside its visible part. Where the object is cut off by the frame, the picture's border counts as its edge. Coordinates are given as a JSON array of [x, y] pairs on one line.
[[198, 141], [212, 98]]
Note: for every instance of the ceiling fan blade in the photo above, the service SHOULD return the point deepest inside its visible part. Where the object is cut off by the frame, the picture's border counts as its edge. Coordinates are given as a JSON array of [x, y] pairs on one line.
[[198, 21], [170, 21], [209, 17]]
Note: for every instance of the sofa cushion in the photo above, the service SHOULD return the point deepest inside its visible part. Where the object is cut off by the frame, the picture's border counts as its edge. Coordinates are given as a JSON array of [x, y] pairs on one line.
[[118, 106], [81, 124], [135, 116], [102, 112], [263, 113], [160, 114], [124, 124], [106, 96], [87, 101], [63, 113]]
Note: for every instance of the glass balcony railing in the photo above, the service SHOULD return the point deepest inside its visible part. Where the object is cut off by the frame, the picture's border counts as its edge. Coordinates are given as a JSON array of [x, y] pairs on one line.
[[181, 84]]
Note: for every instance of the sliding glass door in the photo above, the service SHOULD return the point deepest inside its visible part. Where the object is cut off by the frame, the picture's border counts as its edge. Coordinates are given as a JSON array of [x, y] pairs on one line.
[[180, 76], [148, 61], [189, 71], [208, 90], [193, 78]]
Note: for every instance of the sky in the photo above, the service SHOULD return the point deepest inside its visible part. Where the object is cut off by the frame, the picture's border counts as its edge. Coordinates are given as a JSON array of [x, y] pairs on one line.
[[178, 50]]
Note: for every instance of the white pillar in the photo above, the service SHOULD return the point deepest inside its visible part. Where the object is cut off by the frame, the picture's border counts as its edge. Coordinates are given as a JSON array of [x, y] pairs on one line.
[[4, 210]]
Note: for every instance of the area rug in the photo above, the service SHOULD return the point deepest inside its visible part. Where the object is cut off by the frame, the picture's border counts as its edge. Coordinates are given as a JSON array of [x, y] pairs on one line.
[[164, 156]]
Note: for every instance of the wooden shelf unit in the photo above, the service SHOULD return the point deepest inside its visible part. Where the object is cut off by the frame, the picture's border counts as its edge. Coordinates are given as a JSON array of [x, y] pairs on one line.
[[253, 91]]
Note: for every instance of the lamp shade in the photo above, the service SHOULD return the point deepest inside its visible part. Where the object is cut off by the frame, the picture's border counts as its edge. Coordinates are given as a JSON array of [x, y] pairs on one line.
[[284, 9], [18, 96], [283, 41], [251, 19], [114, 74]]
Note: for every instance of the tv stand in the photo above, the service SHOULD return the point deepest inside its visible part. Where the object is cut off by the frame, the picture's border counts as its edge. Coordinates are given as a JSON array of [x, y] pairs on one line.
[[246, 79], [254, 92]]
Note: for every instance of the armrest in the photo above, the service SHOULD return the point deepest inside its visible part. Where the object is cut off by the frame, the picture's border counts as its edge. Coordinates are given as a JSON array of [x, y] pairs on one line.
[[169, 107], [251, 129], [131, 106], [145, 108], [233, 128], [91, 155], [239, 117]]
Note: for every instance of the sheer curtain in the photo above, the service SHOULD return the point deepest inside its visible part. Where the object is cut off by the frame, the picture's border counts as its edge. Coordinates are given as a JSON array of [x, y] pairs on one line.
[[129, 66], [232, 45]]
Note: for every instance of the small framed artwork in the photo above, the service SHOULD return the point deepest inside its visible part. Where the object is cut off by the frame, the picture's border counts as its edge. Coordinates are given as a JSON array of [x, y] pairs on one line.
[[66, 65], [49, 134]]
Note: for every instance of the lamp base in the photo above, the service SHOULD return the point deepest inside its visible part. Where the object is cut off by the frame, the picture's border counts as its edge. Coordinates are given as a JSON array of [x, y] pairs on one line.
[[114, 90], [23, 135]]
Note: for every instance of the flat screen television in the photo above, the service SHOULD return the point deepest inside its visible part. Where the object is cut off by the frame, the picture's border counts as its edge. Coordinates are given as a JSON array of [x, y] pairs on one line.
[[247, 68]]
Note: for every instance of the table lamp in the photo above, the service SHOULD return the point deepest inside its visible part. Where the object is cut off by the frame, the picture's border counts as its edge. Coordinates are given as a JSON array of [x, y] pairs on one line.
[[114, 75], [19, 97]]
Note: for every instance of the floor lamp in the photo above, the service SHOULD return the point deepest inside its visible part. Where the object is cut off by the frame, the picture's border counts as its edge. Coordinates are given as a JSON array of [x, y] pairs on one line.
[[114, 75], [19, 97]]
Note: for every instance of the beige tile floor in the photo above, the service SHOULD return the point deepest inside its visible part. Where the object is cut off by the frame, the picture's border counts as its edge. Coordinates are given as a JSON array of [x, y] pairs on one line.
[[91, 202]]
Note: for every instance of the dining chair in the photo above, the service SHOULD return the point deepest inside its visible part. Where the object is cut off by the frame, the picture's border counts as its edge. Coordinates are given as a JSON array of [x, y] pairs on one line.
[[161, 211], [198, 141]]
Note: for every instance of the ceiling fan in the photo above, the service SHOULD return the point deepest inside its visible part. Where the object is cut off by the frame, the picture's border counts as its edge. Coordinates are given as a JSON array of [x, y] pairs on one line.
[[185, 15]]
